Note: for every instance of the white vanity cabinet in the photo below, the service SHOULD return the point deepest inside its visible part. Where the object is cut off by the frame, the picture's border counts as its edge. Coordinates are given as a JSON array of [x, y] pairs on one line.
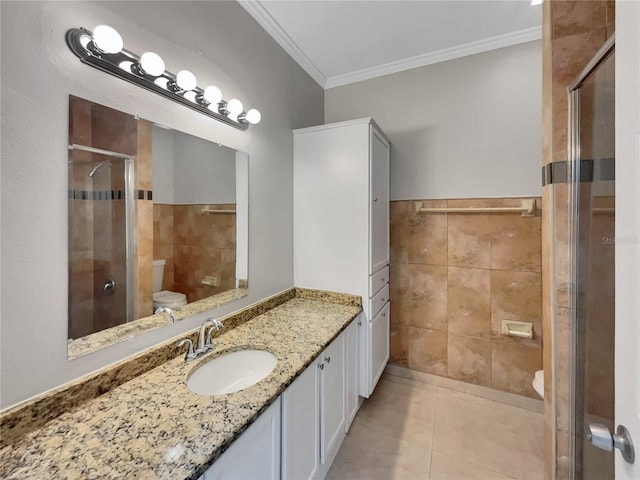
[[314, 413], [255, 455], [341, 226], [299, 435]]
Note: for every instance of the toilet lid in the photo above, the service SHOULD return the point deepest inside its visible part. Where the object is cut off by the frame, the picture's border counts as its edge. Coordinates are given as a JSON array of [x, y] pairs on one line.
[[166, 296]]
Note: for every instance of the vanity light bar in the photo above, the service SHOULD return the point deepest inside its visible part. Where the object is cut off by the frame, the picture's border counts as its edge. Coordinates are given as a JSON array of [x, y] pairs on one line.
[[103, 49]]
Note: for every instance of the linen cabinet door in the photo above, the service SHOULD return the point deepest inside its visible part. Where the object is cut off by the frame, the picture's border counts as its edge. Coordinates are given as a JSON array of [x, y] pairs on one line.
[[378, 202], [379, 331]]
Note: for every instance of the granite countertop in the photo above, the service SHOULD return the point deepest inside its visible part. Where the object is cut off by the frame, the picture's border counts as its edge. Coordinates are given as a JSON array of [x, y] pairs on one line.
[[154, 427]]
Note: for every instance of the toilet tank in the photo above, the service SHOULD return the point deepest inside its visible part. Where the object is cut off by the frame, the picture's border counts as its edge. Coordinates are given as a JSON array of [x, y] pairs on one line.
[[158, 274]]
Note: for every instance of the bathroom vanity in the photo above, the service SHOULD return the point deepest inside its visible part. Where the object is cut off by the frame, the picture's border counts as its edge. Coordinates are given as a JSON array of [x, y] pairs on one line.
[[153, 426]]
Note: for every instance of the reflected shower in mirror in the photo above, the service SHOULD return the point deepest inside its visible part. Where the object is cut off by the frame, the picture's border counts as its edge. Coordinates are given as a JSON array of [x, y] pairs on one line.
[[157, 218]]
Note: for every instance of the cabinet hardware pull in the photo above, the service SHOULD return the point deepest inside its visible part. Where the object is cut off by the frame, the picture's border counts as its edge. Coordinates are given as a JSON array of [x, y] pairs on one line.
[[321, 366], [384, 315], [359, 323], [383, 299], [327, 359], [375, 199], [382, 279]]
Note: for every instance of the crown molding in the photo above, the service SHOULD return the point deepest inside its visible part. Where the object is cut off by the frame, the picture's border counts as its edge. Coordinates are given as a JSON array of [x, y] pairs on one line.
[[480, 46], [273, 28]]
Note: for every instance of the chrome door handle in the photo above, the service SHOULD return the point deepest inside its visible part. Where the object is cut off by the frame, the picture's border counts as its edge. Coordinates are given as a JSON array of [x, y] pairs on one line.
[[600, 437], [109, 286]]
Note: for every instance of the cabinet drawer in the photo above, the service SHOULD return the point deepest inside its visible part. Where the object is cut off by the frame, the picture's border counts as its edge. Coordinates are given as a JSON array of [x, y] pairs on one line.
[[378, 280], [378, 301]]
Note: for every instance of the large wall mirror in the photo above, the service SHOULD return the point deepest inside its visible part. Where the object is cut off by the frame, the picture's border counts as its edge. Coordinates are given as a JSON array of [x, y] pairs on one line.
[[157, 218]]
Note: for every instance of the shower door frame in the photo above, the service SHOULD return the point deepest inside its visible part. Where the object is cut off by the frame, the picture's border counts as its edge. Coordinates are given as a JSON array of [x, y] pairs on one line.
[[130, 222], [577, 417]]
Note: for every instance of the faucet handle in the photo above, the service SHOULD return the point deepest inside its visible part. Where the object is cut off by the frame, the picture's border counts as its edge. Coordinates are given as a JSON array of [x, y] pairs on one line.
[[190, 355], [217, 324]]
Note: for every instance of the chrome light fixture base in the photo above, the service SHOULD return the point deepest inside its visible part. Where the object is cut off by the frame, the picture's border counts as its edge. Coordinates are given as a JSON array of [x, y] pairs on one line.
[[111, 63]]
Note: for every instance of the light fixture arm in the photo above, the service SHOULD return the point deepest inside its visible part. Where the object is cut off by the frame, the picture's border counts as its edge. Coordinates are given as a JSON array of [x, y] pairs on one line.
[[111, 63]]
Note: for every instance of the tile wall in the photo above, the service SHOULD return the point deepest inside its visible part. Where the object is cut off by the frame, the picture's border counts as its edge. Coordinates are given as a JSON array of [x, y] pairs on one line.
[[572, 33], [454, 278], [195, 246]]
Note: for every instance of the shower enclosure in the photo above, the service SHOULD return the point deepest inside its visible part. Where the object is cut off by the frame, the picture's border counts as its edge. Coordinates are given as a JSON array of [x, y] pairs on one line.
[[101, 243], [592, 145]]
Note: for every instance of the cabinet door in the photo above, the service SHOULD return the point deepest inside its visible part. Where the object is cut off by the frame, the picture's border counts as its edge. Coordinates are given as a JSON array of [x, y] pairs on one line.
[[300, 424], [379, 202], [332, 395], [379, 341], [351, 371], [255, 454]]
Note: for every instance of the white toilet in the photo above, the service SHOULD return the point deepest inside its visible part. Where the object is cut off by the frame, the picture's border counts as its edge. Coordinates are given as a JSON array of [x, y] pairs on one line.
[[164, 298], [538, 383]]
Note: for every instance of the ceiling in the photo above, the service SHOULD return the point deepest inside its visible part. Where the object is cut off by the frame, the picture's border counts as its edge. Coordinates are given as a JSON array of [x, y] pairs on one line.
[[344, 41]]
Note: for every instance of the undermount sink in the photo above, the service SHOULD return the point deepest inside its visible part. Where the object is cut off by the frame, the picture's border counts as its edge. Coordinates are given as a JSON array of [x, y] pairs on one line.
[[231, 372]]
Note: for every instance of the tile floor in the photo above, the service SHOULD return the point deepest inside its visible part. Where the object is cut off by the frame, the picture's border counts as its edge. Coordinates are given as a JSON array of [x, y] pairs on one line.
[[411, 430]]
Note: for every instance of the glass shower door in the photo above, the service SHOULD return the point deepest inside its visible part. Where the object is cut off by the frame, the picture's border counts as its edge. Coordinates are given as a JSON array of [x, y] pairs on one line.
[[593, 145], [100, 243]]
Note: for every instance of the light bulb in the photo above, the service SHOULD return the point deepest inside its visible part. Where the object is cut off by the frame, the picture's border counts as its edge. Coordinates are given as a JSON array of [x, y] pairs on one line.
[[152, 64], [107, 39], [162, 82], [234, 107], [186, 80], [212, 95], [126, 65], [253, 116], [84, 40], [190, 95]]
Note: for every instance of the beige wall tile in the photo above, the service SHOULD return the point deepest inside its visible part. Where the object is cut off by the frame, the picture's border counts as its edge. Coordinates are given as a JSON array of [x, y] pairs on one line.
[[469, 359], [426, 301], [469, 243], [516, 296], [516, 243], [469, 305], [428, 351], [426, 235], [143, 161], [570, 17], [513, 367], [399, 344]]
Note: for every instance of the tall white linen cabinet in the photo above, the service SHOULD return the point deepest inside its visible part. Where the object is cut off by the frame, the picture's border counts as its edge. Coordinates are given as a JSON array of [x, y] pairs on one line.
[[341, 227]]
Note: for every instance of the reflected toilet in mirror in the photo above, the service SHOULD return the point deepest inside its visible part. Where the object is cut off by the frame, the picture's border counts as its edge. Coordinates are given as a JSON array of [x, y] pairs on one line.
[[164, 298]]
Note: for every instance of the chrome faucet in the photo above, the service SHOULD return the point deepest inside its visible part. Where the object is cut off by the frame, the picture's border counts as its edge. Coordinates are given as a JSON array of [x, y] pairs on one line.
[[205, 341], [172, 319]]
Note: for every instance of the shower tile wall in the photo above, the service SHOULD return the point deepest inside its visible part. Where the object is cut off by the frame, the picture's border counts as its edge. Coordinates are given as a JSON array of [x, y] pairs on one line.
[[195, 246], [91, 229], [454, 278], [572, 33]]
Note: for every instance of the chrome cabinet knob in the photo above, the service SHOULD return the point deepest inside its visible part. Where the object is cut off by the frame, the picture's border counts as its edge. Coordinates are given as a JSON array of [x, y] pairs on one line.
[[327, 359], [321, 366]]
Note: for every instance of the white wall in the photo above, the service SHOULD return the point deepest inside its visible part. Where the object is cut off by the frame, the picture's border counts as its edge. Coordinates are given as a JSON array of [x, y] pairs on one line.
[[203, 171], [222, 45], [467, 128], [162, 165]]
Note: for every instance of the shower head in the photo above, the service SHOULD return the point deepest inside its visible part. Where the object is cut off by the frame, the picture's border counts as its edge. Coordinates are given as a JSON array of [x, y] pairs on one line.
[[98, 166]]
